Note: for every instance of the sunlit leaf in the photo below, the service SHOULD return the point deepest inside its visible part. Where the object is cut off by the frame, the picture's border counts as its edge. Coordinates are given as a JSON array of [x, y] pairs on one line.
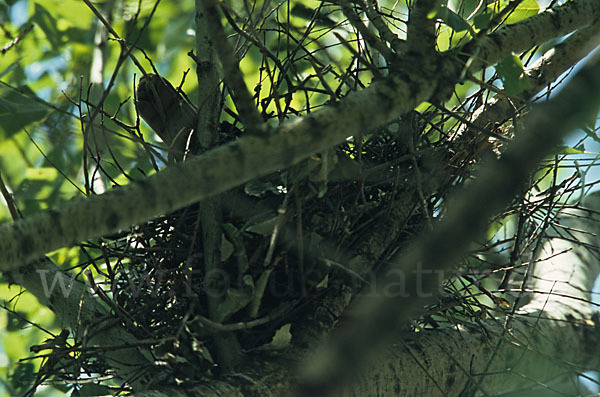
[[570, 150], [448, 38], [524, 10]]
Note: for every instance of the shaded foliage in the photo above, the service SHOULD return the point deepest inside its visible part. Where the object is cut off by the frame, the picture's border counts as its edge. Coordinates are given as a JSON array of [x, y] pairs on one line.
[[288, 237]]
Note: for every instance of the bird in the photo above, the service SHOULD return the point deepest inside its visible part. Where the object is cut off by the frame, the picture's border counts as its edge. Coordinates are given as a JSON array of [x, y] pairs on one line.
[[167, 112]]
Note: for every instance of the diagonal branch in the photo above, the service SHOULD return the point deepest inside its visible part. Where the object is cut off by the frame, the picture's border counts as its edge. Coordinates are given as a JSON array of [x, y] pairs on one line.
[[552, 23], [418, 270], [231, 165], [543, 72], [211, 173]]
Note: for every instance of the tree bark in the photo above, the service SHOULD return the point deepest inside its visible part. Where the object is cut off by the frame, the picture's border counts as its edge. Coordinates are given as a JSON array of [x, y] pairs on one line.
[[416, 80]]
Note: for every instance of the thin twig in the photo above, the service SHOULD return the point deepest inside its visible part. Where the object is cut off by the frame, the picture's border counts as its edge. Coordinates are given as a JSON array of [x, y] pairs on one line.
[[218, 327]]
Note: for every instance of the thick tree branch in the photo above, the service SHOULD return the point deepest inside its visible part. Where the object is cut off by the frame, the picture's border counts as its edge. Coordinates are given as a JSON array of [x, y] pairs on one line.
[[420, 35], [542, 73], [227, 347], [213, 172], [379, 316], [521, 36], [209, 97], [233, 76], [228, 166], [560, 59], [299, 138]]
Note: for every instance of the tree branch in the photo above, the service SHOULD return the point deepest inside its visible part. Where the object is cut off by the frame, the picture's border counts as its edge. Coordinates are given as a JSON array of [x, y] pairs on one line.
[[543, 72], [420, 35], [209, 97], [366, 33], [225, 167], [227, 347], [211, 173], [521, 36], [233, 76], [379, 315], [76, 307]]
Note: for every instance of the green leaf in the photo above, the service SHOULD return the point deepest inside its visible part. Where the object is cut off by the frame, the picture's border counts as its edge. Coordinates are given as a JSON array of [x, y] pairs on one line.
[[39, 184], [48, 24], [226, 248], [470, 6], [448, 38], [236, 299], [281, 340], [570, 150], [510, 70], [525, 10], [77, 35], [264, 228], [482, 21], [18, 111], [438, 9], [9, 68], [16, 322], [41, 174], [22, 377], [91, 389], [455, 21]]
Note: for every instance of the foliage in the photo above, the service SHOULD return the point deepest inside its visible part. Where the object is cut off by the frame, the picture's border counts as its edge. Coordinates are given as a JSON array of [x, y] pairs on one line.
[[284, 238]]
